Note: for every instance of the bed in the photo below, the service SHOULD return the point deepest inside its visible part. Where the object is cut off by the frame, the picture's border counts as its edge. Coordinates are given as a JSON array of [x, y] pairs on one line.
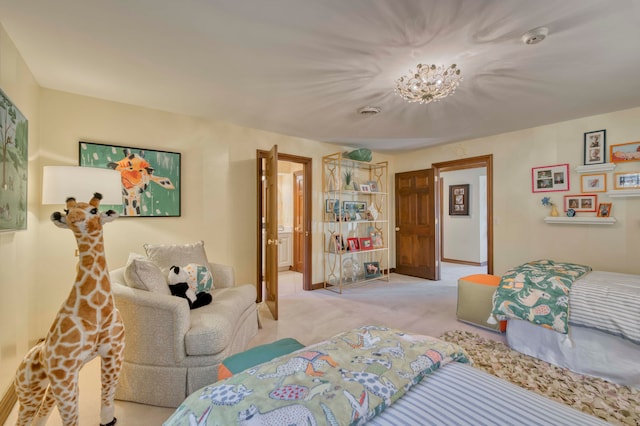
[[372, 375], [599, 334]]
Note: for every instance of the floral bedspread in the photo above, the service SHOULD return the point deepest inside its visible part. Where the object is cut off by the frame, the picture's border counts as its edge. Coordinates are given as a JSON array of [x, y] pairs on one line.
[[345, 380], [538, 292]]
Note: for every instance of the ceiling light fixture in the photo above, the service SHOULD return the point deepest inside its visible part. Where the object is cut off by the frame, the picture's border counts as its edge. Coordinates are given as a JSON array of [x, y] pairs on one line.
[[428, 83]]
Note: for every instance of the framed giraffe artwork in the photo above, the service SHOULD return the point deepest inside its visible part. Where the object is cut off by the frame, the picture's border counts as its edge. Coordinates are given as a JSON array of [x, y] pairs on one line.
[[14, 165], [150, 178]]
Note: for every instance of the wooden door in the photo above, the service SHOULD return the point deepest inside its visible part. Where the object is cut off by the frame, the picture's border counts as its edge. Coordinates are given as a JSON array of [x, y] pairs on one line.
[[298, 221], [271, 231], [416, 230]]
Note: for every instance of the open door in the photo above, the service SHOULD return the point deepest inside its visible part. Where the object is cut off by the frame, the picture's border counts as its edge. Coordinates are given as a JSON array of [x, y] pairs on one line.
[[416, 230], [298, 221], [271, 230]]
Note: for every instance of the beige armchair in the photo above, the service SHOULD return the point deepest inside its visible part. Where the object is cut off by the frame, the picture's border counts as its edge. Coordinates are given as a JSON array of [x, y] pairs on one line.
[[170, 350]]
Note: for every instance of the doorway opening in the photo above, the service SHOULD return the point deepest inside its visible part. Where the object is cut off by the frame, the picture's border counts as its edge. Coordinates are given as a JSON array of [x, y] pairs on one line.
[[294, 224], [478, 172]]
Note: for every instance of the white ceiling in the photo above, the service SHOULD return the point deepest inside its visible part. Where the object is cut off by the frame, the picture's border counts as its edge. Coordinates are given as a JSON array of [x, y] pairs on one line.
[[304, 67]]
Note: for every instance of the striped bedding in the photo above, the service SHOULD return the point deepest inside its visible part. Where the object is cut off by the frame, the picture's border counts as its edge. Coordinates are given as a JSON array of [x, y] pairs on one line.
[[609, 302], [458, 394]]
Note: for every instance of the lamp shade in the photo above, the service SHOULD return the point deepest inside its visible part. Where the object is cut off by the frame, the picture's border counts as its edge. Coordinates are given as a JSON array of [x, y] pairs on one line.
[[62, 182]]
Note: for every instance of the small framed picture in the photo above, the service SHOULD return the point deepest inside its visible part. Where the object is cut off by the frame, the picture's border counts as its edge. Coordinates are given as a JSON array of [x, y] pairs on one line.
[[355, 206], [372, 269], [604, 209], [581, 203], [629, 151], [593, 183], [459, 200], [365, 187], [336, 243], [550, 178], [376, 239], [353, 244], [626, 180], [329, 205], [595, 147], [366, 243], [373, 185]]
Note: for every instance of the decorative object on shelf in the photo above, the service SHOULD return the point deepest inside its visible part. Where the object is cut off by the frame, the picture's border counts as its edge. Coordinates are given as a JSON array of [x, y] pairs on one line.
[[365, 188], [581, 203], [330, 205], [626, 180], [362, 154], [376, 239], [150, 178], [593, 183], [459, 200], [595, 145], [355, 206], [353, 244], [366, 243], [14, 139], [550, 178], [348, 180], [373, 185], [336, 243], [570, 213], [604, 209], [428, 83], [372, 269], [350, 269], [629, 151], [546, 201]]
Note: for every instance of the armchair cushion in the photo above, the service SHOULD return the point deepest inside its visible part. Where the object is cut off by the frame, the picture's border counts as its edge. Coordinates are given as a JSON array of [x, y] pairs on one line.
[[143, 274], [168, 255]]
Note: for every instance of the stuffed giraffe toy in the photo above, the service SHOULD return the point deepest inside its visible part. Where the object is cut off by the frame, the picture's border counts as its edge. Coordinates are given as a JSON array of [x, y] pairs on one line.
[[87, 325]]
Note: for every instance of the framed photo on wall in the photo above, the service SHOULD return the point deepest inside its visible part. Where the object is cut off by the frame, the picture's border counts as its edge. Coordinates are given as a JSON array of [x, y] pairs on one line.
[[550, 178], [626, 180], [595, 145], [150, 178], [604, 209], [581, 202], [593, 183], [459, 200], [629, 151], [14, 139]]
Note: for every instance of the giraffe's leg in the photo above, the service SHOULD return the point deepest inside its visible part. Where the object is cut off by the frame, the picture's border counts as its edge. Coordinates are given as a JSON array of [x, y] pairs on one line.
[[30, 385], [45, 409], [65, 393], [111, 364]]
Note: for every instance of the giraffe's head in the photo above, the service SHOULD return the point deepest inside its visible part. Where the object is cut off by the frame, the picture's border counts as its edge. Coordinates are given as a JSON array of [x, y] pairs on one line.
[[83, 218], [134, 170]]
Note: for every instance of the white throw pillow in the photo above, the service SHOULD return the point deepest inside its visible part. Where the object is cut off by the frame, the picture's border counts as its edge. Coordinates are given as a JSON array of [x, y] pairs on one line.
[[143, 274], [168, 255]]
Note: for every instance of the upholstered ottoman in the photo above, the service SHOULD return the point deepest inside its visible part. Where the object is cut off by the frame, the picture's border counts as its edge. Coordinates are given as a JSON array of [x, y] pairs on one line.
[[474, 300]]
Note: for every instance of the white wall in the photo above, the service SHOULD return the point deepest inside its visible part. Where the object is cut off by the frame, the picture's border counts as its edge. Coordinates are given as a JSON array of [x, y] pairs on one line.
[[520, 234], [464, 237]]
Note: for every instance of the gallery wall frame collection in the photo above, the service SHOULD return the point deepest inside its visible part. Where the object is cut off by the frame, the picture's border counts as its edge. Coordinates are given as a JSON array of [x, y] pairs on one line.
[[14, 140], [624, 152], [151, 179]]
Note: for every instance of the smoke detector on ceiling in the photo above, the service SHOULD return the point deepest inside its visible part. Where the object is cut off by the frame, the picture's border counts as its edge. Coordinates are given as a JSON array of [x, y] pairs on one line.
[[369, 110], [535, 36]]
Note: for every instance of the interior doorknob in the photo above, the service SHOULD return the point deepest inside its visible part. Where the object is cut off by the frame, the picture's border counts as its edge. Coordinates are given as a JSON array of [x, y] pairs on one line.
[[397, 229], [274, 242]]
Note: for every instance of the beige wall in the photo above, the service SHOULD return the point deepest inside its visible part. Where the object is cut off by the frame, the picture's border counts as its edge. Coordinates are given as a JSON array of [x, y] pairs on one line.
[[520, 233]]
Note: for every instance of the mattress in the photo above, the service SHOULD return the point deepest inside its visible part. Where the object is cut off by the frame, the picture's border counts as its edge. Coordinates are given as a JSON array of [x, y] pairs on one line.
[[458, 394], [584, 350]]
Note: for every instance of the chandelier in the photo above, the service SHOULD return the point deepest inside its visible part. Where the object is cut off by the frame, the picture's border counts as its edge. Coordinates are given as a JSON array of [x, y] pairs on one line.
[[428, 83]]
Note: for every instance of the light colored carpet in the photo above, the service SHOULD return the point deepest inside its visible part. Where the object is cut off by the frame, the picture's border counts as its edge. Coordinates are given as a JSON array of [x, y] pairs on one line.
[[610, 402]]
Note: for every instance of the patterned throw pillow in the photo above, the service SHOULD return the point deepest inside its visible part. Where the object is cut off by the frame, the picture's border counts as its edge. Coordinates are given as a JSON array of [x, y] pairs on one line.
[[168, 255], [199, 277]]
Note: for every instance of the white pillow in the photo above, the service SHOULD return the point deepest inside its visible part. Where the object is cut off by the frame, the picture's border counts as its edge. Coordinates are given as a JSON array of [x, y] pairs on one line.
[[168, 255], [143, 274]]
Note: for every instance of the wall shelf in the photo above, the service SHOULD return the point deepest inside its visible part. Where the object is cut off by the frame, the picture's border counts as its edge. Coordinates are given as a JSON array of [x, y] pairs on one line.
[[580, 220], [620, 193], [594, 168]]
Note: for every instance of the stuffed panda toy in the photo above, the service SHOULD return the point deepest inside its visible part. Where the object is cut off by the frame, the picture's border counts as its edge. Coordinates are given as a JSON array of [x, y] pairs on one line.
[[179, 285]]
